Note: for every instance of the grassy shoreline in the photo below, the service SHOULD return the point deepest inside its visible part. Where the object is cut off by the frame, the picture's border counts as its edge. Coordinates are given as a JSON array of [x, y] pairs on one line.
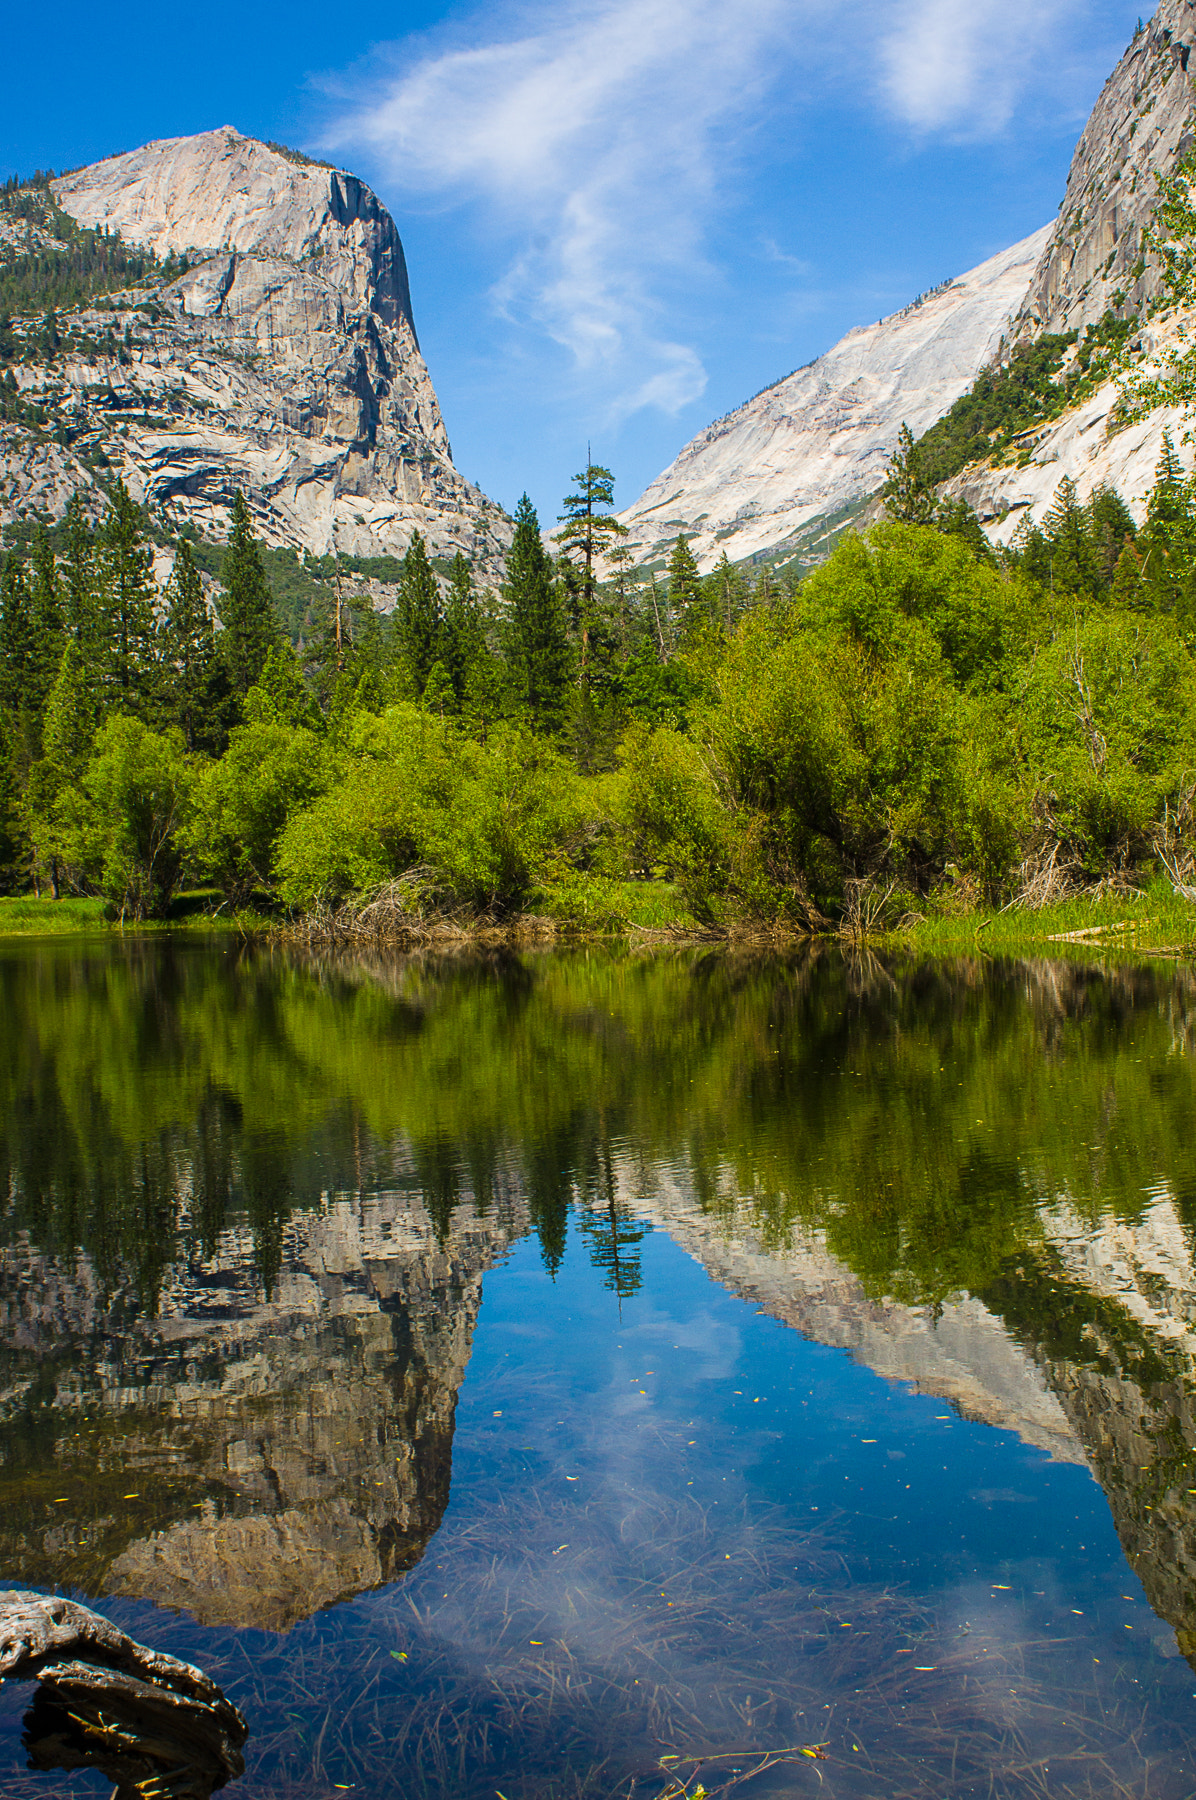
[[1153, 922], [27, 916]]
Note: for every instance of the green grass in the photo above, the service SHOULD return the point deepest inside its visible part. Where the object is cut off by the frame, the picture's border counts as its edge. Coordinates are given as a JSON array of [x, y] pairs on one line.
[[24, 915], [598, 904], [1158, 920]]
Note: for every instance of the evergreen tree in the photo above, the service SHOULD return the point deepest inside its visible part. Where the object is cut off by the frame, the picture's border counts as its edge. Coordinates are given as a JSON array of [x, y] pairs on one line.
[[464, 640], [727, 590], [126, 626], [280, 696], [246, 610], [79, 580], [587, 536], [13, 847], [687, 602], [1110, 527], [1167, 543], [194, 684], [906, 493], [17, 648], [67, 733], [49, 626], [1072, 565], [539, 643], [621, 562], [418, 617]]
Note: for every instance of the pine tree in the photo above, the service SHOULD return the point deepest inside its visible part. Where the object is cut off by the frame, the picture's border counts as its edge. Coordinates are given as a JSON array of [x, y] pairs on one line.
[[1072, 566], [539, 642], [587, 536], [687, 602], [13, 845], [192, 685], [280, 696], [125, 612], [17, 650], [49, 625], [246, 609], [1168, 539], [67, 734], [729, 593], [1110, 527], [906, 493], [464, 641], [79, 580], [418, 613]]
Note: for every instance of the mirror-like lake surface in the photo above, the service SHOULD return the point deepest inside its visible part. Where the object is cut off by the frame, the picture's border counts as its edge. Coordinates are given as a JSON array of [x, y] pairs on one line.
[[500, 1372]]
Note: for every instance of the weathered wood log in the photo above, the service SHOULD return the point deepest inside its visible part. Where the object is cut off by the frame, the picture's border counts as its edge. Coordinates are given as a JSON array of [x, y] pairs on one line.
[[155, 1726]]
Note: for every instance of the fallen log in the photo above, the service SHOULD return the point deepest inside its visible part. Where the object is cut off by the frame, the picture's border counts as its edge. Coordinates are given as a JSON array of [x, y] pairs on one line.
[[155, 1726]]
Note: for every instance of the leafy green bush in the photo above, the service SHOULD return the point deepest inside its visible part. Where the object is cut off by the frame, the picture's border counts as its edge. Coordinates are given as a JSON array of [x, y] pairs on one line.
[[242, 802], [1108, 710], [131, 816], [485, 821]]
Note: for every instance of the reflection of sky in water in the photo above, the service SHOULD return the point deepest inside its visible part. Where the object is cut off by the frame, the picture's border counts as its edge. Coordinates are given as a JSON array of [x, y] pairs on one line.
[[682, 1525]]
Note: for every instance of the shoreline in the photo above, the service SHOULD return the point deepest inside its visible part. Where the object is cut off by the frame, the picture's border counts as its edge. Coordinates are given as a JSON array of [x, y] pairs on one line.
[[1155, 922]]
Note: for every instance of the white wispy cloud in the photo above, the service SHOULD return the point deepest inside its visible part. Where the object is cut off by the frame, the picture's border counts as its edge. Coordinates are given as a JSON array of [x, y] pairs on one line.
[[600, 138], [945, 66], [590, 135]]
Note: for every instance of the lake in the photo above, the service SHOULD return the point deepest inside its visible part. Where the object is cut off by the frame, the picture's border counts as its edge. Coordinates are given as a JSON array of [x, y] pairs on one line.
[[502, 1371]]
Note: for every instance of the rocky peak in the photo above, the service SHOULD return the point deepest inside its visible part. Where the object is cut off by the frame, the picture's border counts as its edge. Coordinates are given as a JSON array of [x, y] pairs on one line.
[[220, 191], [283, 361], [1141, 125]]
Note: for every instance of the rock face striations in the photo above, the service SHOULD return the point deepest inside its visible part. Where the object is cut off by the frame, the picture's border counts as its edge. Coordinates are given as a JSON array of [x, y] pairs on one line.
[[283, 359], [284, 1453], [783, 473], [1139, 128], [779, 474]]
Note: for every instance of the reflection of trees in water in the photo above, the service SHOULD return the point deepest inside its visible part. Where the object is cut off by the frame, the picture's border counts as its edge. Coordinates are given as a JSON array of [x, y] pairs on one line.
[[915, 1113]]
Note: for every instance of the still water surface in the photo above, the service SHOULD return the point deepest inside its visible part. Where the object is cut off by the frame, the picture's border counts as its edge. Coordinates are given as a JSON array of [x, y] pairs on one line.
[[501, 1372]]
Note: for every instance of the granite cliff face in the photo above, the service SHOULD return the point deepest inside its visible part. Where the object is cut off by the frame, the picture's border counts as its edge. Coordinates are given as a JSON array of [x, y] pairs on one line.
[[284, 360], [1141, 125], [779, 474], [1139, 128], [246, 1460], [793, 466]]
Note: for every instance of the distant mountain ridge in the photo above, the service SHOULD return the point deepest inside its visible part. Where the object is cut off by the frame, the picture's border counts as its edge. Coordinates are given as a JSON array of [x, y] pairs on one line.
[[779, 476], [820, 440], [283, 360]]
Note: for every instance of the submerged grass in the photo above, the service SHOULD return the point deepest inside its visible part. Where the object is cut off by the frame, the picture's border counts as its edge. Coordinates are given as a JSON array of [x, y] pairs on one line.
[[559, 1651]]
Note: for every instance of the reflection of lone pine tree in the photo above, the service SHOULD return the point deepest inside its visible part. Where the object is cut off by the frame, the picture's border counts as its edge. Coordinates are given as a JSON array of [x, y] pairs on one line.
[[614, 1233], [245, 607]]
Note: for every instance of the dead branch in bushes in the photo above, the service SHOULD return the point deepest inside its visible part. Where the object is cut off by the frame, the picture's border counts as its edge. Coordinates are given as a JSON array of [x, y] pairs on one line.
[[863, 909], [1172, 841], [414, 908]]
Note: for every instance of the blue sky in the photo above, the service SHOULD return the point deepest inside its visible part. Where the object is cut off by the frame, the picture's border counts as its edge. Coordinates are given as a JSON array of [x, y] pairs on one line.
[[621, 217]]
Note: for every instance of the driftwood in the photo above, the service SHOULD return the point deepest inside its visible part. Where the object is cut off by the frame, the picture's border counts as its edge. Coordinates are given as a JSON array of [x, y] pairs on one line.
[[159, 1728]]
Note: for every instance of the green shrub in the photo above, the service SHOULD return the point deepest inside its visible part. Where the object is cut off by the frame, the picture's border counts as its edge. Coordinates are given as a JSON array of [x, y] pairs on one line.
[[131, 816], [486, 821]]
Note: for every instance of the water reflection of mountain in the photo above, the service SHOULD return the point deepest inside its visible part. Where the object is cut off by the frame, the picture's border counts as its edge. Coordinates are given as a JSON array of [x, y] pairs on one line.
[[247, 1460], [1087, 1349]]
